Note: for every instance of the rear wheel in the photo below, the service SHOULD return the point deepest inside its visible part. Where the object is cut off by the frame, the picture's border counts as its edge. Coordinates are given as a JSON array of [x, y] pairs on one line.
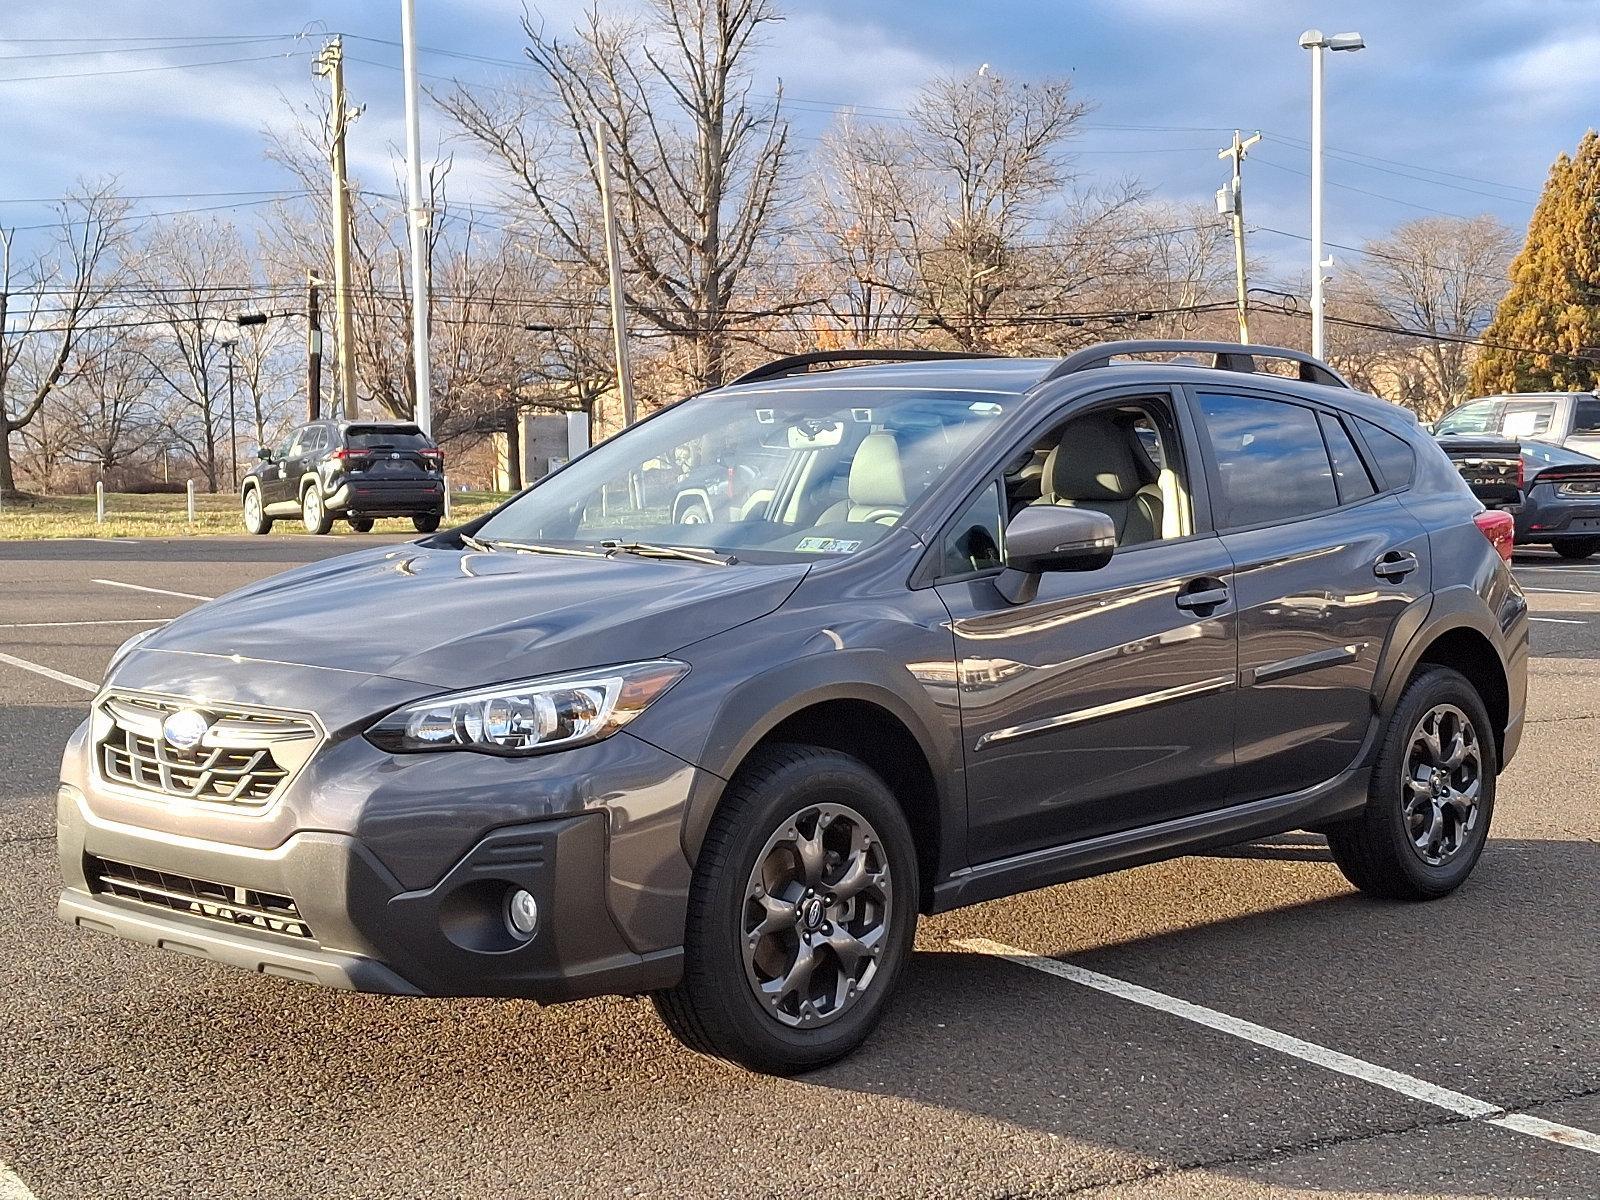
[[361, 524], [255, 516], [1431, 798], [314, 513], [801, 914], [1576, 548], [425, 522]]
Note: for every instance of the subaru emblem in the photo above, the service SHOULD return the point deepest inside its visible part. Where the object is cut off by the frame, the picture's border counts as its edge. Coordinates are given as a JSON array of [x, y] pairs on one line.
[[184, 729]]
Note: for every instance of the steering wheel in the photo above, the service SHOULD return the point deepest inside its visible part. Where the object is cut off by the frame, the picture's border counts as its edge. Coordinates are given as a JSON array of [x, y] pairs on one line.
[[883, 516]]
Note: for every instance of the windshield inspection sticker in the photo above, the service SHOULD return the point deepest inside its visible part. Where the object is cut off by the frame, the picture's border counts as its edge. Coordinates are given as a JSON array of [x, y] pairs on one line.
[[822, 545]]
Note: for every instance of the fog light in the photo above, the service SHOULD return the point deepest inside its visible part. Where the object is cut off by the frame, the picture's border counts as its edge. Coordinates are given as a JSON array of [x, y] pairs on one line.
[[522, 913]]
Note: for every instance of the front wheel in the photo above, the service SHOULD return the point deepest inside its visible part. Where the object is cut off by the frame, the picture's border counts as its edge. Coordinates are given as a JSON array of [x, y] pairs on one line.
[[314, 513], [1577, 548], [1431, 797], [801, 914], [255, 516]]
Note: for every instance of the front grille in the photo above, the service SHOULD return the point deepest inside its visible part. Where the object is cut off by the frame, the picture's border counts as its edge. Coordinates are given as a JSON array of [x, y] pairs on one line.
[[198, 897], [243, 758]]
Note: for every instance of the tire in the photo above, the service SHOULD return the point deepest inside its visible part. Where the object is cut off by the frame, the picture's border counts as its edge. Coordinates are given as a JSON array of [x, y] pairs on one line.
[[255, 517], [314, 515], [836, 803], [361, 524], [1381, 851], [1576, 548], [425, 522], [694, 513]]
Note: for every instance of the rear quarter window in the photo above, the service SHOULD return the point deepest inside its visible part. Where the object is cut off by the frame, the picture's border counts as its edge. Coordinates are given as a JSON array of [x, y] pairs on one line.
[[1392, 454]]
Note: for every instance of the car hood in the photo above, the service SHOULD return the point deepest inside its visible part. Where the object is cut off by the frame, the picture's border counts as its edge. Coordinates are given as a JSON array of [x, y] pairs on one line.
[[450, 618]]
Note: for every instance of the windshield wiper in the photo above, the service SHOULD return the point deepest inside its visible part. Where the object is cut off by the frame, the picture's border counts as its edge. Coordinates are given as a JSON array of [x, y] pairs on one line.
[[646, 550], [543, 548]]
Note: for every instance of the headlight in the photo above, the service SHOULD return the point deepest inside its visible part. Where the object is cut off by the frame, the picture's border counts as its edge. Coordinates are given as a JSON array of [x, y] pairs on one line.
[[127, 648], [530, 717]]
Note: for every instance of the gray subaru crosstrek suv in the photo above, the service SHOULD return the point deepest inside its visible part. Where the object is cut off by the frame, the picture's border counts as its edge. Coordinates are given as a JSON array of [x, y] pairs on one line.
[[993, 624]]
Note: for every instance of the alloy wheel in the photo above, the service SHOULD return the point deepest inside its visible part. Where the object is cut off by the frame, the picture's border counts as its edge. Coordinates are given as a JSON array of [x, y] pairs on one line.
[[816, 915], [1443, 783], [312, 510], [252, 510]]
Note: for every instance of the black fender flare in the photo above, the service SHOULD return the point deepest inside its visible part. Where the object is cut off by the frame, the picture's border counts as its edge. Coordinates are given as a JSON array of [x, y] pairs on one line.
[[1431, 617], [757, 706]]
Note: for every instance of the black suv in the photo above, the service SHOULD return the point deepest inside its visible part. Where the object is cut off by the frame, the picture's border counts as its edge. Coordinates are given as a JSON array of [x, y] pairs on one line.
[[358, 470], [1001, 623]]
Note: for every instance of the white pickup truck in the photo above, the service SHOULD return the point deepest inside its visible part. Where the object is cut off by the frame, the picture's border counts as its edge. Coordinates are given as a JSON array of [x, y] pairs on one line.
[[1569, 419]]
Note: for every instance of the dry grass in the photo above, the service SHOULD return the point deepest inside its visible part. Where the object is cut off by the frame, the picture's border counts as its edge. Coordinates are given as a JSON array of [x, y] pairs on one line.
[[129, 515]]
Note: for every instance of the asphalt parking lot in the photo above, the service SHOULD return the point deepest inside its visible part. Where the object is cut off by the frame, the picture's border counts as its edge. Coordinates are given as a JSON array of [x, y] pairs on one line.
[[1235, 1025]]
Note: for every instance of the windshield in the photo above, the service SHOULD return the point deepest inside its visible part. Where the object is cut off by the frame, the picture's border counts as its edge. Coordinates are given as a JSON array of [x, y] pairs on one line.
[[790, 472]]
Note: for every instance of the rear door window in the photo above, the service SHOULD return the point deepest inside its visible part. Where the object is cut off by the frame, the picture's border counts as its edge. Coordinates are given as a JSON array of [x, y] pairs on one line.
[[1349, 472], [1527, 418], [1586, 417], [1272, 463]]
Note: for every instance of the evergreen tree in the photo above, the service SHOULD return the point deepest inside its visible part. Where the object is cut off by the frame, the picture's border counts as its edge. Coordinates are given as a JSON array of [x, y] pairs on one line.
[[1553, 305]]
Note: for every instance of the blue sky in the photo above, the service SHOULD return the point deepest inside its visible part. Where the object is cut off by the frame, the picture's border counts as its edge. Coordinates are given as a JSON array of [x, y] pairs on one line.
[[1465, 103]]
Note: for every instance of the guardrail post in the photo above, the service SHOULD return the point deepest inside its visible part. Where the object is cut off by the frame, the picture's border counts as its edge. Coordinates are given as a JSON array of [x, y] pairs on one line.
[[99, 502], [189, 488], [447, 498]]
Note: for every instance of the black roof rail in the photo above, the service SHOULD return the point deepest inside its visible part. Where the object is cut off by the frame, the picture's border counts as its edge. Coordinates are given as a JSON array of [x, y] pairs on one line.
[[795, 364], [1228, 356]]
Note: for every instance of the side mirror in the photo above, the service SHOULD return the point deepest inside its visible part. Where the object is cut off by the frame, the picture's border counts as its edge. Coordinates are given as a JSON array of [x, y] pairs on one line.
[[264, 454], [1043, 538]]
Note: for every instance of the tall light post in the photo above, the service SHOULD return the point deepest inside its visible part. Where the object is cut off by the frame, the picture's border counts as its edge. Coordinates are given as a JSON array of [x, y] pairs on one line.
[[1314, 41], [233, 418], [419, 218]]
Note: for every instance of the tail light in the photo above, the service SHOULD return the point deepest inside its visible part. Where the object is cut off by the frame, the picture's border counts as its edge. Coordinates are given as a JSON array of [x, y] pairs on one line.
[[1501, 530], [1522, 472], [350, 456], [435, 456]]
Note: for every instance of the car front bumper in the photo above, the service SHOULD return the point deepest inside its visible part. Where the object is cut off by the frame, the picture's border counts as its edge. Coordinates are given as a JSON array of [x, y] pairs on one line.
[[409, 896]]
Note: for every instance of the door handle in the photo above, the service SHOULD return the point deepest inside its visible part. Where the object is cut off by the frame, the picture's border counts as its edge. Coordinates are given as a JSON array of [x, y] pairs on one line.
[[1202, 594], [1395, 565]]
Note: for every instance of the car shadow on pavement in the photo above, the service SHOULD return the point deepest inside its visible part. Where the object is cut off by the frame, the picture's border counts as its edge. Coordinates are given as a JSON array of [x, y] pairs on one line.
[[1472, 993]]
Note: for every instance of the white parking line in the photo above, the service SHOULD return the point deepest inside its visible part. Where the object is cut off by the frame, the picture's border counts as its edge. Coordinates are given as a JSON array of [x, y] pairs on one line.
[[1556, 591], [48, 673], [1557, 621], [1311, 1052], [139, 587], [12, 1187], [64, 624]]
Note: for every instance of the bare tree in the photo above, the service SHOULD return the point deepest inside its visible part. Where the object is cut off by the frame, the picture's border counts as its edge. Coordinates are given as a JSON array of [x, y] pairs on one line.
[[940, 212], [106, 401], [1440, 276], [195, 273], [45, 306], [699, 165]]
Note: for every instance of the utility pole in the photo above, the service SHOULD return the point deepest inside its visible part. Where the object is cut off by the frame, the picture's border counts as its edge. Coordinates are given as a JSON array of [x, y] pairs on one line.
[[1230, 202], [233, 419], [330, 63], [423, 410], [313, 348], [619, 311]]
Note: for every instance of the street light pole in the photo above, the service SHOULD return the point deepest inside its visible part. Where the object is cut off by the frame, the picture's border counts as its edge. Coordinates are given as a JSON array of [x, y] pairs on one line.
[[419, 217], [1314, 41], [233, 419]]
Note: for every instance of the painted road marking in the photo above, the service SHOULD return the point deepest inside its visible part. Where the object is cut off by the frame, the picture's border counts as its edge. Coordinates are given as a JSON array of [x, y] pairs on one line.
[[58, 676], [65, 624], [1542, 591], [12, 1187], [139, 587], [1311, 1052], [1558, 621]]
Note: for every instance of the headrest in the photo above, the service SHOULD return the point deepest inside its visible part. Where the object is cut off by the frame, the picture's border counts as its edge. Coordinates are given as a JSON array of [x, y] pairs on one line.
[[875, 476], [1094, 461]]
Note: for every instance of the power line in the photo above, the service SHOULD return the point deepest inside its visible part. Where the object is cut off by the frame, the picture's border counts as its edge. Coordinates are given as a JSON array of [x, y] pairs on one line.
[[215, 62], [205, 44]]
